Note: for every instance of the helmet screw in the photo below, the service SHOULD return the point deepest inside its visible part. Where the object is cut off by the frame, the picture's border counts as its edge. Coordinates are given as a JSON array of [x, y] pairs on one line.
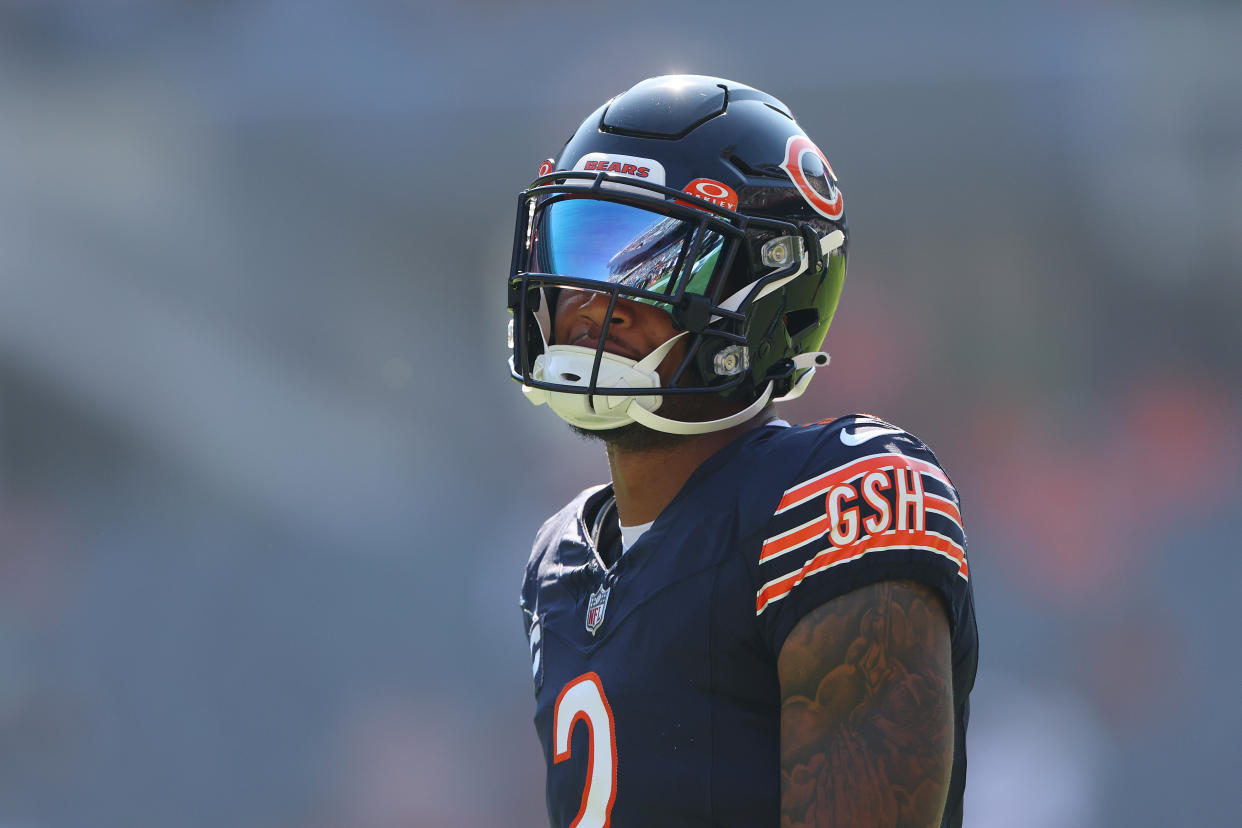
[[731, 361]]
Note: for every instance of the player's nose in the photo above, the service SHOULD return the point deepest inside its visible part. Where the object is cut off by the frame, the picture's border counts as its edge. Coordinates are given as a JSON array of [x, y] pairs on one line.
[[595, 308]]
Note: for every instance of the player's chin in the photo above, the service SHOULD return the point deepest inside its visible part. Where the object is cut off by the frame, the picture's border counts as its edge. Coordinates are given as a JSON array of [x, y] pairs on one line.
[[632, 437]]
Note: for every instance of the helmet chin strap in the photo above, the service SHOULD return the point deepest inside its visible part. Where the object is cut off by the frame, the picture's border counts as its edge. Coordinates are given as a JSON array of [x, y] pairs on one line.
[[809, 361], [658, 423], [573, 365]]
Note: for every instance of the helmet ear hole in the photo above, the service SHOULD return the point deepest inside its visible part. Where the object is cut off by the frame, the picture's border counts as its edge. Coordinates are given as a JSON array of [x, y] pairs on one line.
[[800, 322]]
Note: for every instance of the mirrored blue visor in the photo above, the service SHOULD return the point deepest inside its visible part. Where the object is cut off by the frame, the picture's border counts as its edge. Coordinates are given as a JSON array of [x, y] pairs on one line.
[[621, 244]]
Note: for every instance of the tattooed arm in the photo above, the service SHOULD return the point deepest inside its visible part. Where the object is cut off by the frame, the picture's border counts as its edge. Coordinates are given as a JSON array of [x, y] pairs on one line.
[[867, 711]]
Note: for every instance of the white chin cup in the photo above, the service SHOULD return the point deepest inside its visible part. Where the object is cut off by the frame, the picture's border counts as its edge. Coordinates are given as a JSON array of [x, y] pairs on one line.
[[572, 365]]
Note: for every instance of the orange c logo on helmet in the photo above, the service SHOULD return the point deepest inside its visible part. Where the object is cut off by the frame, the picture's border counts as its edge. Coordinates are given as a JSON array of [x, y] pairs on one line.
[[796, 148]]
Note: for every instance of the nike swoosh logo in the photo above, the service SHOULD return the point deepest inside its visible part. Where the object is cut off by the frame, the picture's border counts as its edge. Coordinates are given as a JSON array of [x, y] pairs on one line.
[[862, 434]]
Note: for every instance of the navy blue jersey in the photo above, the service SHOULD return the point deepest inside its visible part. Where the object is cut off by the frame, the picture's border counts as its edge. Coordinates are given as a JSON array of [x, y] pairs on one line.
[[657, 696]]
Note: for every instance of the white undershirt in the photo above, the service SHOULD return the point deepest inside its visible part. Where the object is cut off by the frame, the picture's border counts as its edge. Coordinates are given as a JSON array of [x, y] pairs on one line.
[[631, 534]]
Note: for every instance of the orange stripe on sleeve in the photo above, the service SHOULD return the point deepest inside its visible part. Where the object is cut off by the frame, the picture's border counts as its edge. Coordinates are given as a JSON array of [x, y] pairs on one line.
[[946, 507], [832, 556], [855, 468], [794, 538]]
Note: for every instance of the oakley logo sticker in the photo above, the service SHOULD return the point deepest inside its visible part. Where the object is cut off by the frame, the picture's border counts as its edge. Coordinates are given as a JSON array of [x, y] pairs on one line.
[[722, 195], [812, 175]]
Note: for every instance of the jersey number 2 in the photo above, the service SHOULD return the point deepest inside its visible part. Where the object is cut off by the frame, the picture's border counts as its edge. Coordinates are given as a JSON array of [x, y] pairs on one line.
[[583, 700]]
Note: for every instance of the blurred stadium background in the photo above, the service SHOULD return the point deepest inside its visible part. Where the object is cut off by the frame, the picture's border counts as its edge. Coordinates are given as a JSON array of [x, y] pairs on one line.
[[266, 490]]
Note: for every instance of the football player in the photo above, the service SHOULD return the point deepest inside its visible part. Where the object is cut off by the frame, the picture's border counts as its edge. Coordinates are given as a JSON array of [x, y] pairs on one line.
[[754, 623]]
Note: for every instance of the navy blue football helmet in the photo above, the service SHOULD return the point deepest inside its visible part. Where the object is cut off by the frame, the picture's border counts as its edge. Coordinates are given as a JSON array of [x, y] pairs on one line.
[[704, 198]]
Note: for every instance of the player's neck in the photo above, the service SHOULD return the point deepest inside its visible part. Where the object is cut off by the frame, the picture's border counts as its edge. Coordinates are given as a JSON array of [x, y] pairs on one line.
[[646, 480]]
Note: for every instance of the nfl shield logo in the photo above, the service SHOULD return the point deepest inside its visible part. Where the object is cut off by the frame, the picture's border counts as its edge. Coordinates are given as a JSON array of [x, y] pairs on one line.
[[595, 609]]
